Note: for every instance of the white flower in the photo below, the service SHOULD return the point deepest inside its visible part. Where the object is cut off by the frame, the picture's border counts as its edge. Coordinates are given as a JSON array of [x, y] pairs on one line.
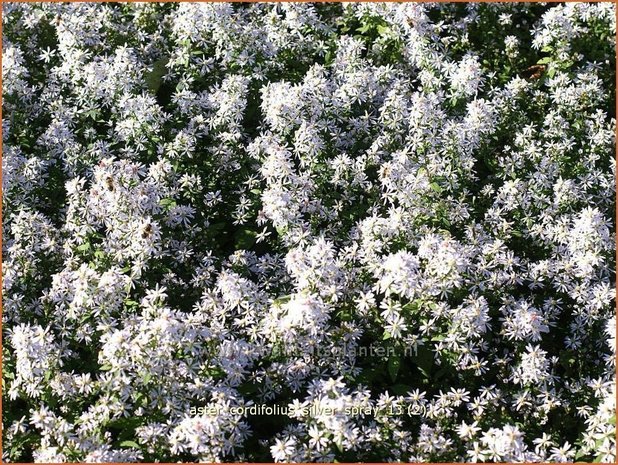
[[466, 76], [282, 450]]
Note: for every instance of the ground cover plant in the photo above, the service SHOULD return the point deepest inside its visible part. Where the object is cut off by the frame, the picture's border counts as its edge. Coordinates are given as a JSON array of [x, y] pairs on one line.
[[308, 232]]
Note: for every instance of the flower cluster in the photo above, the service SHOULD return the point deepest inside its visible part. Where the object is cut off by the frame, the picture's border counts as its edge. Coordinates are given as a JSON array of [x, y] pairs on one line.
[[393, 220]]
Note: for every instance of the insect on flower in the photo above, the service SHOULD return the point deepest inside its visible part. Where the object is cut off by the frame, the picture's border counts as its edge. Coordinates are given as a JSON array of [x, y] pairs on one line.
[[534, 72], [147, 231]]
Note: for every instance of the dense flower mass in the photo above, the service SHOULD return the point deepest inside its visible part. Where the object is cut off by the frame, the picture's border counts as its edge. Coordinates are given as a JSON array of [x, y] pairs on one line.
[[308, 232]]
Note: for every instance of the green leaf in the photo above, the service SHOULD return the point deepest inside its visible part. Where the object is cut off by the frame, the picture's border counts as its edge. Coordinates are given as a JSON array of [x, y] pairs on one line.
[[245, 238], [383, 30], [436, 187], [394, 363], [339, 445], [364, 28], [282, 300], [167, 203], [400, 389], [154, 78], [93, 113], [412, 307], [248, 388], [544, 61], [369, 375], [329, 57], [281, 231], [215, 372], [344, 315], [215, 227], [127, 424], [84, 247], [131, 444], [424, 360]]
